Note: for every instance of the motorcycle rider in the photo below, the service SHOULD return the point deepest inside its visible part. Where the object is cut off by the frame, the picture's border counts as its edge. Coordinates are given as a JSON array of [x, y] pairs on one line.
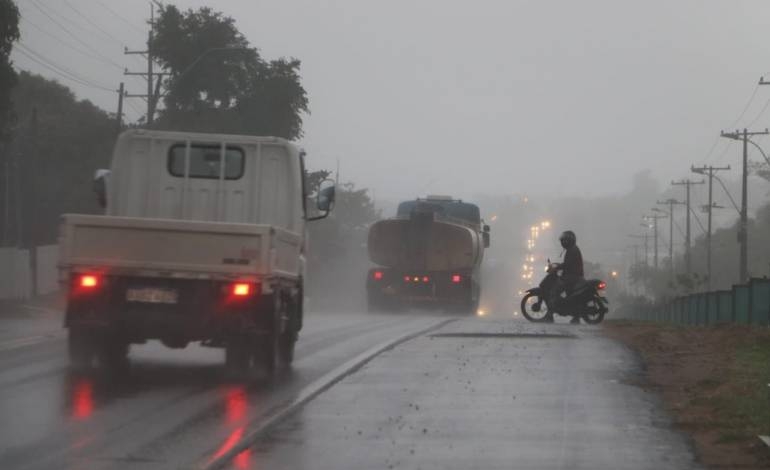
[[571, 269]]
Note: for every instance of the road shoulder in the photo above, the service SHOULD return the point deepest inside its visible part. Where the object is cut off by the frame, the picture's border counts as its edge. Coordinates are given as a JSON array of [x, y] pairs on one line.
[[484, 394], [713, 381]]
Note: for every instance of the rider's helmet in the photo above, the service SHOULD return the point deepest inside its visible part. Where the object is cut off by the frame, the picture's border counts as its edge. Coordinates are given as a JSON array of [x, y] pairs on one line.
[[567, 239]]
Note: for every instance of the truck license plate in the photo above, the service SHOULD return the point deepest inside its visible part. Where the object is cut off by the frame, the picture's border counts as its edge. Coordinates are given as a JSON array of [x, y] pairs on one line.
[[152, 295]]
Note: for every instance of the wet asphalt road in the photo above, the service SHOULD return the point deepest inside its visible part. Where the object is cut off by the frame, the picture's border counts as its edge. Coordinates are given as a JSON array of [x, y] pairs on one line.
[[483, 395], [476, 393], [175, 409]]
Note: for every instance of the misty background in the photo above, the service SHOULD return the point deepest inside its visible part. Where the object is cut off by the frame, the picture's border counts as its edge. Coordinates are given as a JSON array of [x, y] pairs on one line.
[[580, 113]]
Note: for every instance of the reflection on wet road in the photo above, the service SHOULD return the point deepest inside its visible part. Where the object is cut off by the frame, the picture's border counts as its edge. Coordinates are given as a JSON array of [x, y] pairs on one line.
[[174, 408], [484, 394]]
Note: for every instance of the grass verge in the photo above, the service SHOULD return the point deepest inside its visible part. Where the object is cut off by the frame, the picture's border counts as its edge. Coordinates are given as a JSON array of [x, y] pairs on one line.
[[714, 381]]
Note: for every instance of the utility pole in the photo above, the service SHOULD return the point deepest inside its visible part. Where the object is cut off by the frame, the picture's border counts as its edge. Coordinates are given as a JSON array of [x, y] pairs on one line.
[[119, 116], [654, 219], [29, 203], [646, 247], [687, 255], [645, 272], [710, 171], [153, 78], [636, 262], [670, 203], [743, 237]]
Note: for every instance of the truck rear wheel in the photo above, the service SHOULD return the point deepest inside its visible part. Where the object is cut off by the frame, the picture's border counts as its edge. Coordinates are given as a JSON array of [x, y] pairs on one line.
[[288, 338], [82, 347], [113, 352], [268, 349], [237, 353]]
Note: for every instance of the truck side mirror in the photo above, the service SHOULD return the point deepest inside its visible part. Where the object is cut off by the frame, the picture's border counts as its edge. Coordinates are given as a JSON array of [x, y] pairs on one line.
[[485, 235], [325, 199], [99, 185]]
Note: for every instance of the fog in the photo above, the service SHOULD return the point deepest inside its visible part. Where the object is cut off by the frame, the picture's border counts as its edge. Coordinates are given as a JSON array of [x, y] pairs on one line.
[[495, 97], [578, 113]]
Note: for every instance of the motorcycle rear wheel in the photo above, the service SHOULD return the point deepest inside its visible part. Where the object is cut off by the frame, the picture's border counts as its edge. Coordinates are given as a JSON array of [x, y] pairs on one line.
[[526, 308], [594, 314]]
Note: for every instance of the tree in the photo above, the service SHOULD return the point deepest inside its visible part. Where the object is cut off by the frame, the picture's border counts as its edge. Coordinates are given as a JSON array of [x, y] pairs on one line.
[[52, 174], [761, 169], [337, 255], [9, 33], [219, 83]]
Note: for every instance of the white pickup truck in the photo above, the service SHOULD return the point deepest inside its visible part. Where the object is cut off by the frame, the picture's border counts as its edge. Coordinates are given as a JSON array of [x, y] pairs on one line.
[[203, 239]]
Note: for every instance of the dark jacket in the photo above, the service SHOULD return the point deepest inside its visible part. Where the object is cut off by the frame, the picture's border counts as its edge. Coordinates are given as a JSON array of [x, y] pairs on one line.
[[572, 267]]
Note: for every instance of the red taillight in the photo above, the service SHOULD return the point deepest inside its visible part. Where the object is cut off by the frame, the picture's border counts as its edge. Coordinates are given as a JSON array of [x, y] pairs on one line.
[[378, 275], [89, 281], [241, 289], [602, 285], [407, 278], [456, 278], [425, 279]]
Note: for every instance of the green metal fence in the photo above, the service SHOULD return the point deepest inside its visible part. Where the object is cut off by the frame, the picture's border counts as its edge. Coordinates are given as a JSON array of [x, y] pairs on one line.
[[759, 302], [744, 304]]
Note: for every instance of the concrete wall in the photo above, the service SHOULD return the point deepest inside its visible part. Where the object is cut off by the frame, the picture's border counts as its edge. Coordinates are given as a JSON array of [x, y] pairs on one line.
[[15, 279]]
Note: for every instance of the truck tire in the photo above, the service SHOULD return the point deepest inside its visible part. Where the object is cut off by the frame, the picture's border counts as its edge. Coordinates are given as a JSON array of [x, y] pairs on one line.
[[267, 350], [113, 353], [373, 303], [288, 342], [82, 347], [288, 339], [238, 354]]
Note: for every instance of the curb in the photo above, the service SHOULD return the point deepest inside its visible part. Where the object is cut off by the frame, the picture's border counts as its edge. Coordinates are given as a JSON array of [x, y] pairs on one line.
[[310, 392]]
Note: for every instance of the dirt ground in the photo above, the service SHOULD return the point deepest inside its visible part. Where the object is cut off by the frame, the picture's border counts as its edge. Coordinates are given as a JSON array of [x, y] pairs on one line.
[[713, 382]]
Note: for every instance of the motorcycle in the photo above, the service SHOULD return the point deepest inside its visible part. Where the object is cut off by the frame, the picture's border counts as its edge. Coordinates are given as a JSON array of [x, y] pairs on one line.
[[585, 301]]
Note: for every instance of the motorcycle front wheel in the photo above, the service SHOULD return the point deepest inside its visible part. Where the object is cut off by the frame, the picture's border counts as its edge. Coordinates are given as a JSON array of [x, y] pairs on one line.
[[528, 306]]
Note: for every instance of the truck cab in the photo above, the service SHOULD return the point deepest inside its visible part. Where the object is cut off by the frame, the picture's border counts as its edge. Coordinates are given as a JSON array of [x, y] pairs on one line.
[[202, 239]]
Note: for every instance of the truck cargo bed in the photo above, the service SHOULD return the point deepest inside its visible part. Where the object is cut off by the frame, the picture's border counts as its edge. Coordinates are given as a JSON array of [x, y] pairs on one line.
[[177, 247]]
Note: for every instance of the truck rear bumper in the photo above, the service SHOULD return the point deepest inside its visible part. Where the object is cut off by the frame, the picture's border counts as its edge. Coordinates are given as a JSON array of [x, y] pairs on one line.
[[173, 310], [435, 287]]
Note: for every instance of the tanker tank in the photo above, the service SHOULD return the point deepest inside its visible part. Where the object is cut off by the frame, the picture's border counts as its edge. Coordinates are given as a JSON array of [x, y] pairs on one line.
[[429, 255]]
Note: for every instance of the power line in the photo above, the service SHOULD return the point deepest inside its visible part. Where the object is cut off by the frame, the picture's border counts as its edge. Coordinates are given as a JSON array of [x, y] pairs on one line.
[[721, 156], [688, 185], [106, 33], [58, 69], [745, 108], [761, 112], [119, 16], [63, 42], [73, 35]]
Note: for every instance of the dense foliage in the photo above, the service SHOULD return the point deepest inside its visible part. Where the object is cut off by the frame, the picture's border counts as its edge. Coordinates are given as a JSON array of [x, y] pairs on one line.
[[218, 82], [9, 33], [58, 144]]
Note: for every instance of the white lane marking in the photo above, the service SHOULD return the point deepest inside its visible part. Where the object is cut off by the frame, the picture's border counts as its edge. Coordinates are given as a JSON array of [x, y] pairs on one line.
[[765, 439], [34, 308], [29, 341], [313, 390]]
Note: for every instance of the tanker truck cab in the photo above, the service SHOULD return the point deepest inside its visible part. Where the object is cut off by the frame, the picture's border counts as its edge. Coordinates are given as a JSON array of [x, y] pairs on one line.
[[203, 239], [429, 254]]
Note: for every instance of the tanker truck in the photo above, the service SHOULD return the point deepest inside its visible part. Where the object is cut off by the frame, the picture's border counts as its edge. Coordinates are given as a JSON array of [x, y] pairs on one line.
[[428, 255]]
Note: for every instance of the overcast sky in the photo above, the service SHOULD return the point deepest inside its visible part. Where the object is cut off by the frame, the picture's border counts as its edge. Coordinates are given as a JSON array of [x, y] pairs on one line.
[[460, 97]]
